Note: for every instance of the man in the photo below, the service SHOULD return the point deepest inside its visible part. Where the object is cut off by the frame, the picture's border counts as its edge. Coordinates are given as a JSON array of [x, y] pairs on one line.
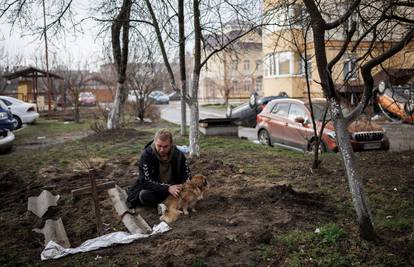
[[162, 171]]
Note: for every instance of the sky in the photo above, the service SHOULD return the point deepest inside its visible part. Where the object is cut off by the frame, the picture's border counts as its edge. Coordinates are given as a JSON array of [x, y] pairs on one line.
[[70, 49]]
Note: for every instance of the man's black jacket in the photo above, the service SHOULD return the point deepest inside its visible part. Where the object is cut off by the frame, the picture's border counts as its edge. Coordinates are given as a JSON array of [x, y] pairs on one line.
[[149, 173]]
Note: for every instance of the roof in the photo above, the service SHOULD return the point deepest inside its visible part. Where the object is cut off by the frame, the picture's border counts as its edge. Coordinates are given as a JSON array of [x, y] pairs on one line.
[[29, 73], [215, 41]]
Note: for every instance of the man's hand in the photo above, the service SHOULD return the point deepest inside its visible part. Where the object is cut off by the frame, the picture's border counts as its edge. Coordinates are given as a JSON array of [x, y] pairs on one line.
[[175, 190]]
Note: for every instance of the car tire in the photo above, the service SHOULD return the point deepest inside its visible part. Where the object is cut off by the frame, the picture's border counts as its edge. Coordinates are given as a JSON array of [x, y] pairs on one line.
[[381, 88], [264, 138], [322, 146], [253, 101], [18, 124]]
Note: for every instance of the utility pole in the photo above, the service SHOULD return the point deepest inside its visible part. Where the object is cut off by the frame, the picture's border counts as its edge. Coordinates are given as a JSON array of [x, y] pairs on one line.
[[49, 97]]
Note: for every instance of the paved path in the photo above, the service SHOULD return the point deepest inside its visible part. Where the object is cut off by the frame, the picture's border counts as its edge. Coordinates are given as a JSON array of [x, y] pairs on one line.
[[172, 112]]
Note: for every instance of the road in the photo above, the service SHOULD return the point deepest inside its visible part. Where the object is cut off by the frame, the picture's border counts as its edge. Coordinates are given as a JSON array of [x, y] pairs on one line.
[[172, 112]]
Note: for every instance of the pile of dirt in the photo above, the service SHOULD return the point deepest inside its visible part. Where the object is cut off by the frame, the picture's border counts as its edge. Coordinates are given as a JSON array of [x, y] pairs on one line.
[[118, 134]]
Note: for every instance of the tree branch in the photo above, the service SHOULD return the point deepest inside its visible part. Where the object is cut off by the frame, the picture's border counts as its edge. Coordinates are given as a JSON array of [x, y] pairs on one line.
[[336, 23]]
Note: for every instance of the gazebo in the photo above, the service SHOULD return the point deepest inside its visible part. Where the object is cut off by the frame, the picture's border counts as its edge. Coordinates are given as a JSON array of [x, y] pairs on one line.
[[27, 89]]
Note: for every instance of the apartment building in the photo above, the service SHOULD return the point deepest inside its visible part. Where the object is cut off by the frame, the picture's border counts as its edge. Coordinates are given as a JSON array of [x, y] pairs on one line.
[[234, 72], [284, 45]]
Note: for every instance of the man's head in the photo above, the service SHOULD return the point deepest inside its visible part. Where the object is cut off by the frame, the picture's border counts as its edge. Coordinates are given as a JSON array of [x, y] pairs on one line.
[[163, 141]]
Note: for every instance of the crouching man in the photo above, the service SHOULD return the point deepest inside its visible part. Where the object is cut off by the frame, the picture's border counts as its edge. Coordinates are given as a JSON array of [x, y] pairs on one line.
[[162, 171]]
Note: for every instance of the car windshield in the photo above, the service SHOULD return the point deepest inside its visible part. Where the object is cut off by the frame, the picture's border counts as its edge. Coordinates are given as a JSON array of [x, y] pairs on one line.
[[319, 111]]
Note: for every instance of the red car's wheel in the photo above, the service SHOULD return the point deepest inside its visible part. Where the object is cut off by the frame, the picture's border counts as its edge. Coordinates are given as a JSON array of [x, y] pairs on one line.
[[264, 138]]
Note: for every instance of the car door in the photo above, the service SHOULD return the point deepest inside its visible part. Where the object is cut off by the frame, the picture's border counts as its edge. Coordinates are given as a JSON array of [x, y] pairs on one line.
[[297, 134], [278, 122]]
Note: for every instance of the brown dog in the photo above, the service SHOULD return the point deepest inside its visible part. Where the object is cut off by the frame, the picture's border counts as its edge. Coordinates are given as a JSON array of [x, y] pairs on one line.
[[191, 192]]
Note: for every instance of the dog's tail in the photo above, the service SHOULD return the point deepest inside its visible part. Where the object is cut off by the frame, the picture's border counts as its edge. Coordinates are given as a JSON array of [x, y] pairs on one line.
[[170, 215]]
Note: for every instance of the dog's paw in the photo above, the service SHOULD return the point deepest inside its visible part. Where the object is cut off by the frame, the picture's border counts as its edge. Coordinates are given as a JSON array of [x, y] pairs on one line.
[[185, 212], [193, 210]]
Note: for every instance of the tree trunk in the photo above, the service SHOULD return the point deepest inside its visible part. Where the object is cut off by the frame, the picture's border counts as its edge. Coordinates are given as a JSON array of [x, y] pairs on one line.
[[120, 52], [183, 116], [194, 112], [340, 123], [114, 117], [76, 116], [194, 118], [181, 33], [354, 180]]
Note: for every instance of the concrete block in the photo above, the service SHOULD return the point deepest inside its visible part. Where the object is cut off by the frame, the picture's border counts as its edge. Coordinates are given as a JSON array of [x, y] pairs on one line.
[[39, 205], [54, 230], [132, 221]]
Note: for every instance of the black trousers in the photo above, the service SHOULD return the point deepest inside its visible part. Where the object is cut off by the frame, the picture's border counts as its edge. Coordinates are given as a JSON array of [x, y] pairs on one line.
[[146, 198]]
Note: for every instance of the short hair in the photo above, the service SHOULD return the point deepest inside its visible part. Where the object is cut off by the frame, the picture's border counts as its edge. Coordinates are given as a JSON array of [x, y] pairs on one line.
[[163, 135]]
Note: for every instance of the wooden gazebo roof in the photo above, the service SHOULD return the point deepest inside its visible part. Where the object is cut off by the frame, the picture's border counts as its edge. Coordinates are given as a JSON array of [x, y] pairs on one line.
[[30, 72]]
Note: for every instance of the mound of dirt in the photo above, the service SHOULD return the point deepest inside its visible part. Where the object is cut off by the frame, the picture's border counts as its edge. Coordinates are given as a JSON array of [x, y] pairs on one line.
[[118, 134], [9, 180]]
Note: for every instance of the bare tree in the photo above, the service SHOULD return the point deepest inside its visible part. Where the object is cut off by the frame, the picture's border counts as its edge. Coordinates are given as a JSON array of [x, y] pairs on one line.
[[144, 76], [72, 85], [385, 28], [120, 45], [211, 21]]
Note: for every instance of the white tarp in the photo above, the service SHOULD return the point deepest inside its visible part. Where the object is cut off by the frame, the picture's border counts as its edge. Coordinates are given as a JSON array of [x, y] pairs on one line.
[[55, 251]]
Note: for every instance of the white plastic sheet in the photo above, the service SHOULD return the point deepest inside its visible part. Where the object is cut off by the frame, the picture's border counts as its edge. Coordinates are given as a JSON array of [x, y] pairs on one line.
[[55, 251]]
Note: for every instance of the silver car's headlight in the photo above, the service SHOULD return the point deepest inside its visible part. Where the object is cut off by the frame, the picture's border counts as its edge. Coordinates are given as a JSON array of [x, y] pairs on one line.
[[331, 134], [3, 116]]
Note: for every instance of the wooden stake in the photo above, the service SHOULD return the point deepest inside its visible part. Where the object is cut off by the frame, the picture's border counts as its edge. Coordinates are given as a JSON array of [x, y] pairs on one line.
[[95, 202]]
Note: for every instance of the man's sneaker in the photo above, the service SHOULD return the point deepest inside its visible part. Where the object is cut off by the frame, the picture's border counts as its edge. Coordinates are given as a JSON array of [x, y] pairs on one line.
[[161, 209]]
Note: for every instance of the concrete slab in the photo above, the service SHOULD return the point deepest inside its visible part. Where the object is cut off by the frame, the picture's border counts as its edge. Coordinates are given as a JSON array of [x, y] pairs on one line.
[[221, 130], [54, 230], [39, 205], [247, 133], [132, 221], [401, 136]]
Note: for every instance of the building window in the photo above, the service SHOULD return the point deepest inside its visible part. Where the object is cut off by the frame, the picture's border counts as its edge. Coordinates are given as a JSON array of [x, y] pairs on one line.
[[234, 64], [284, 64], [350, 69], [247, 84], [246, 65], [235, 85], [278, 64], [259, 84]]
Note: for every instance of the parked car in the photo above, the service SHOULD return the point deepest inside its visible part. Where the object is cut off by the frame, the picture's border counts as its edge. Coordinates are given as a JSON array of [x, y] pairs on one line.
[[87, 99], [287, 123], [61, 101], [396, 102], [23, 112], [174, 96], [134, 95], [159, 97], [6, 127], [245, 114]]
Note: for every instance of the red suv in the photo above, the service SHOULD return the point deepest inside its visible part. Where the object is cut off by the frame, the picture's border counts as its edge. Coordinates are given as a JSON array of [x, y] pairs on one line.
[[287, 123]]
